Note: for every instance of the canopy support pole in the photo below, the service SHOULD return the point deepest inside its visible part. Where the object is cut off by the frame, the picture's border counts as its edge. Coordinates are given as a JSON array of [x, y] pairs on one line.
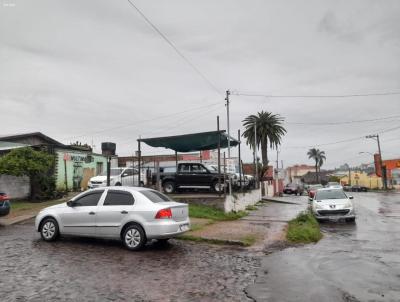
[[240, 163], [176, 161], [139, 163], [219, 157]]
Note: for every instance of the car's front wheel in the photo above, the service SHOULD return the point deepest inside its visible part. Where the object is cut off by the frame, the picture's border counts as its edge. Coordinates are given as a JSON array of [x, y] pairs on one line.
[[49, 229], [169, 187], [133, 237]]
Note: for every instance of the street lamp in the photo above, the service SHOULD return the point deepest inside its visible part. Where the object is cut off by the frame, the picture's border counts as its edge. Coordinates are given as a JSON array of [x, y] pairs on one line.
[[383, 172], [366, 153]]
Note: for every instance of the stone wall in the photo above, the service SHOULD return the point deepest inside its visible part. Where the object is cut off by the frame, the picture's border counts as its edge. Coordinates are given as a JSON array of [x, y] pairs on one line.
[[239, 201], [15, 187]]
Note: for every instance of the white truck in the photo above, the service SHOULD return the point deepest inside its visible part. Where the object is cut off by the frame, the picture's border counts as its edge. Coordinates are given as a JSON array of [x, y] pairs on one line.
[[118, 177]]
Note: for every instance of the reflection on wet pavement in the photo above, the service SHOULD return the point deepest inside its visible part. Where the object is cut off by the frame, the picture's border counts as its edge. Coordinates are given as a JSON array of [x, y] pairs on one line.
[[353, 262]]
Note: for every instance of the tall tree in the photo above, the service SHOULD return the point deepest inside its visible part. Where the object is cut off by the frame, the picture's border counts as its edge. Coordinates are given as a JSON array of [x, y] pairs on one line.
[[269, 132], [35, 164], [319, 157]]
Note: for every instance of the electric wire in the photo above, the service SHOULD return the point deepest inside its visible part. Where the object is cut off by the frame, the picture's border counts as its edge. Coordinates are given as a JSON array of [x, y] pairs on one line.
[[174, 47], [316, 96]]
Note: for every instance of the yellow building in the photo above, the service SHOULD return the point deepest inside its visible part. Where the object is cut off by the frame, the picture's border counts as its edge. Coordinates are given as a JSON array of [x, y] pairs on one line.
[[362, 179]]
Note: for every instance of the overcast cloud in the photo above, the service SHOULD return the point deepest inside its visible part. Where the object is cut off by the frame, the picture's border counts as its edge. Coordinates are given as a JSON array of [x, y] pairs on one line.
[[72, 69]]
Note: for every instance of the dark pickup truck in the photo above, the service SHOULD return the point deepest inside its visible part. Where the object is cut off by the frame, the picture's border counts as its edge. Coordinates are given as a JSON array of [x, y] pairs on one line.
[[191, 176]]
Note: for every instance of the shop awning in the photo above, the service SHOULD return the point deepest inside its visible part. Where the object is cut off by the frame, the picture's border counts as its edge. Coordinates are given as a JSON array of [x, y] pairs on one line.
[[192, 142]]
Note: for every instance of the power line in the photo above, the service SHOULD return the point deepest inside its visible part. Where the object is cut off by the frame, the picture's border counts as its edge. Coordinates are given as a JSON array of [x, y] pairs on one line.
[[316, 96], [165, 38], [345, 140], [345, 122], [141, 121]]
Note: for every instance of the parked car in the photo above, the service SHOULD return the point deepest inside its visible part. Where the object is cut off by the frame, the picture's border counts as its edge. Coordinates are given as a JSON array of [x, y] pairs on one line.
[[329, 203], [357, 188], [131, 214], [313, 189], [293, 189], [4, 204], [347, 187], [334, 185], [193, 176], [245, 180], [118, 177]]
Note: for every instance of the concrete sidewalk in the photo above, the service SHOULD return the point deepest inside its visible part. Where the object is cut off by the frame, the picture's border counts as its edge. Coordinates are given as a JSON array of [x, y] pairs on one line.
[[261, 228]]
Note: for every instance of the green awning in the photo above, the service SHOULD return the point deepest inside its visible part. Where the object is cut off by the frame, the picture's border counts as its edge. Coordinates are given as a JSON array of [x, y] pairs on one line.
[[191, 142]]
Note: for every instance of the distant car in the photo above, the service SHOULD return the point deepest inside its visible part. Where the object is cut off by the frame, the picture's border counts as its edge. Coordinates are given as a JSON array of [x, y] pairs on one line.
[[118, 177], [4, 204], [293, 189], [334, 185], [131, 214], [357, 188], [347, 187], [329, 203], [313, 189]]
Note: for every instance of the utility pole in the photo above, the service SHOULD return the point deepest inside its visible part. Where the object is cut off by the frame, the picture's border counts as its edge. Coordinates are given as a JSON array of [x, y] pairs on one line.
[[229, 138], [383, 169], [227, 118]]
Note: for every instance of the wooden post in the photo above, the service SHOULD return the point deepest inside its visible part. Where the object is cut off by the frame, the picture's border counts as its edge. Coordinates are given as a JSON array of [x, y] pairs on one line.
[[139, 163]]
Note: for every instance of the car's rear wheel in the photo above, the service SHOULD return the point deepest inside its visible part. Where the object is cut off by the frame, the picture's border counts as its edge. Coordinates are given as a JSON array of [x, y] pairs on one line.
[[133, 237], [218, 187], [49, 229], [169, 187]]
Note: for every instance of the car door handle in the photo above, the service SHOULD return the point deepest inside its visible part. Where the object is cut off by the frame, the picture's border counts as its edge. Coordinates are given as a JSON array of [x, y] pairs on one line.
[[92, 213], [124, 212]]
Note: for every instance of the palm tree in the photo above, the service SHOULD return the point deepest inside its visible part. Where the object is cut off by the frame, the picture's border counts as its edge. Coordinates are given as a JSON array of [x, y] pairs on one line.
[[269, 132], [319, 157]]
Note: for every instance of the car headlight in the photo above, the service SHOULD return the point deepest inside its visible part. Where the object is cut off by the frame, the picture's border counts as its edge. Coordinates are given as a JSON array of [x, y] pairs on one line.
[[105, 181], [348, 204], [318, 206]]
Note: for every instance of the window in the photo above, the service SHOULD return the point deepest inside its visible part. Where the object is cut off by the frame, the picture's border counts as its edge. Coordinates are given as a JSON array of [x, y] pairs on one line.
[[198, 169], [330, 194], [118, 198], [88, 200], [99, 168], [155, 196], [128, 172], [185, 168]]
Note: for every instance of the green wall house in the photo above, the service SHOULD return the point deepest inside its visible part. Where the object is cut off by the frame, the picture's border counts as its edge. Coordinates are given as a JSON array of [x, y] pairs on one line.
[[74, 164], [73, 168]]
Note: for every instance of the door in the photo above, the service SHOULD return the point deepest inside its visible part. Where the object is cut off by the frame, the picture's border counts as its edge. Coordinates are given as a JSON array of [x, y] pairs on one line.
[[127, 177], [113, 212], [183, 177], [199, 175], [80, 219]]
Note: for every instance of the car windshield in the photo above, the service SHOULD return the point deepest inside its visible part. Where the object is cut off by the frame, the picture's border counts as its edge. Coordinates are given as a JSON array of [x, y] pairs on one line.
[[330, 194], [155, 196], [316, 187], [113, 172]]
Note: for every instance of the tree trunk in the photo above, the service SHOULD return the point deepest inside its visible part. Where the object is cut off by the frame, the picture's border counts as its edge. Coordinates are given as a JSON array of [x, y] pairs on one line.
[[264, 153], [316, 171]]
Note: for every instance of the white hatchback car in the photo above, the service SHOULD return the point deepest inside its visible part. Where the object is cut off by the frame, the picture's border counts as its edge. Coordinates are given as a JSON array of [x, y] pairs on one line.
[[131, 214], [332, 203]]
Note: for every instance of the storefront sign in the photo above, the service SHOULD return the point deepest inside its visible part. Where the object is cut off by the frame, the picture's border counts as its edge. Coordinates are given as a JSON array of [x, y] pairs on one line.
[[75, 157]]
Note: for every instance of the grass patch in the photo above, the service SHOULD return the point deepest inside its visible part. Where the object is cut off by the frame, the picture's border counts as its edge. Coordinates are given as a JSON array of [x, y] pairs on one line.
[[21, 207], [251, 208], [248, 240], [202, 211], [212, 241], [304, 229]]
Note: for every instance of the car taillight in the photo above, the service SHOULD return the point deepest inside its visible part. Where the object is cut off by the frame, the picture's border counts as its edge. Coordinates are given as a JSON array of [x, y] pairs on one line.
[[164, 214]]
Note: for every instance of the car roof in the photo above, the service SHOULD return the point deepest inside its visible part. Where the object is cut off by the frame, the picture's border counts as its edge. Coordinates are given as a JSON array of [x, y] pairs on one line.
[[122, 188], [330, 189]]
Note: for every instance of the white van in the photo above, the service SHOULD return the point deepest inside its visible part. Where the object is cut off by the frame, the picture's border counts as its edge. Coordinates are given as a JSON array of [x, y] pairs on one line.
[[118, 177]]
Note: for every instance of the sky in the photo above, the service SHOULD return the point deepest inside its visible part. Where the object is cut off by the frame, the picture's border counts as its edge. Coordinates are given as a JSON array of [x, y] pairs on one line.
[[95, 71]]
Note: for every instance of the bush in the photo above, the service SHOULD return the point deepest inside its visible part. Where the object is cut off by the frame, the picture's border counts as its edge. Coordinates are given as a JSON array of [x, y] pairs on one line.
[[304, 229]]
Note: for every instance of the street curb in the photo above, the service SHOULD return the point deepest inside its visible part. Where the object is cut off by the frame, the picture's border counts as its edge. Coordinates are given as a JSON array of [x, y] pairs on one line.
[[279, 201], [211, 240], [15, 220]]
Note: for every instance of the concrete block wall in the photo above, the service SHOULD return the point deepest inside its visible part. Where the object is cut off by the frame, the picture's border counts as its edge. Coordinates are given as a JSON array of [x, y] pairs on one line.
[[15, 187], [239, 201]]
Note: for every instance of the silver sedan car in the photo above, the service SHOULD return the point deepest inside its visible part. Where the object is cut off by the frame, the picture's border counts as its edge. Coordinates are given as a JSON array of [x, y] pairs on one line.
[[131, 214]]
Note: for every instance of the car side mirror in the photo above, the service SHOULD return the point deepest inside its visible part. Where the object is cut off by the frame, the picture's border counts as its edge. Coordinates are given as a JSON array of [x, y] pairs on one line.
[[124, 175], [310, 199], [70, 203], [351, 197]]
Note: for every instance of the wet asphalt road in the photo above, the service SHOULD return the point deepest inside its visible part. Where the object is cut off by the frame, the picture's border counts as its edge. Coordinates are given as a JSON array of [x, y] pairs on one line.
[[353, 262], [75, 269]]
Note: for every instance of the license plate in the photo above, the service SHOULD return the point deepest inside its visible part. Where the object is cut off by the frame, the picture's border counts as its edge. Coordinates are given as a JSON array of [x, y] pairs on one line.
[[184, 227]]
